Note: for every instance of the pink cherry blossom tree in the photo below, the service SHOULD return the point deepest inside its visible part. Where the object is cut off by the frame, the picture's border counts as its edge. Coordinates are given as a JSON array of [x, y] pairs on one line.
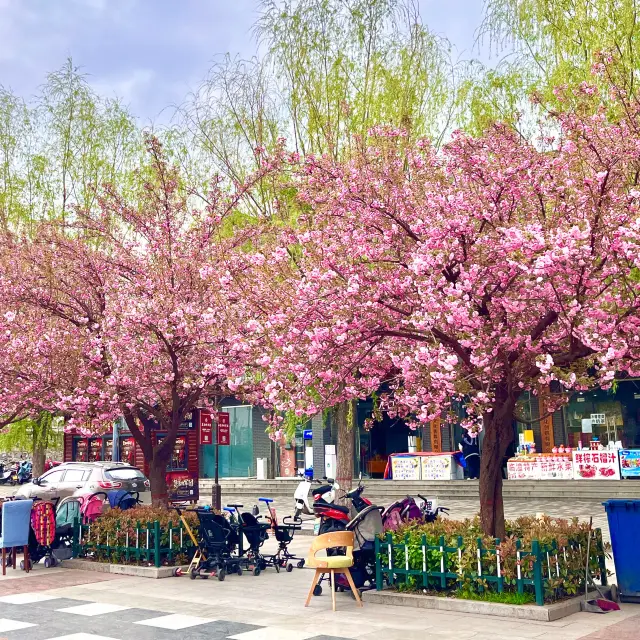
[[139, 289], [491, 268]]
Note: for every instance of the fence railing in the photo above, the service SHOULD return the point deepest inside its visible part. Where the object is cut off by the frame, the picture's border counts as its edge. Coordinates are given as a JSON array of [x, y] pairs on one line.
[[145, 542], [440, 566]]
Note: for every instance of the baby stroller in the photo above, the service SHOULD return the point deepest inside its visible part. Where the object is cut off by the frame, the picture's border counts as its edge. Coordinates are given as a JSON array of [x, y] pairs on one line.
[[217, 540], [123, 500], [284, 535], [256, 534]]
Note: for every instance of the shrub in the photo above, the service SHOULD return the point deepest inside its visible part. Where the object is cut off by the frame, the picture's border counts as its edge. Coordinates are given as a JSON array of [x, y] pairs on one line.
[[563, 546], [107, 540]]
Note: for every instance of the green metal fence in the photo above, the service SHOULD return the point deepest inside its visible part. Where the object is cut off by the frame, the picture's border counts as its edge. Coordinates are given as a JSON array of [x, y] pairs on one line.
[[145, 542], [536, 566]]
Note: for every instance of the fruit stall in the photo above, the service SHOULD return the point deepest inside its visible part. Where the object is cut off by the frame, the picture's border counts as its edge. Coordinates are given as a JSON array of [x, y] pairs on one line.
[[424, 465]]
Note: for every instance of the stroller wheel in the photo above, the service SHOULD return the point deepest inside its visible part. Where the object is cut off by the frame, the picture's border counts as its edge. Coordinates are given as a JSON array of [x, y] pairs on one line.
[[300, 564], [177, 572], [22, 565], [193, 575], [256, 570], [317, 590], [222, 574], [276, 566], [48, 563], [339, 589], [289, 568], [353, 595], [239, 570]]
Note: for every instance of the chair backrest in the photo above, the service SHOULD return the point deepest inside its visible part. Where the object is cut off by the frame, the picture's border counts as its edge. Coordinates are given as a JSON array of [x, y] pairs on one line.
[[16, 520], [331, 541]]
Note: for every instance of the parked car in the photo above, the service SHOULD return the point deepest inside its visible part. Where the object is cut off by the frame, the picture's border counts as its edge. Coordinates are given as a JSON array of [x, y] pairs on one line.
[[79, 478]]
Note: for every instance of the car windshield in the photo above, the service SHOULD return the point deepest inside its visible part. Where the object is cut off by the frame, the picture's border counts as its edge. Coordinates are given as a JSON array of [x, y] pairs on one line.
[[123, 473]]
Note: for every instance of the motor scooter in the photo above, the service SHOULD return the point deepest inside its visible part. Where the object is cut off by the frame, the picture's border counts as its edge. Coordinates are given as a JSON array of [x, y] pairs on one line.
[[5, 475], [304, 495]]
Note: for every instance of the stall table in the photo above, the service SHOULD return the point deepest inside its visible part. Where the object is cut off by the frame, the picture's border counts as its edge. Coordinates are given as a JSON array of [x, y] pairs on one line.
[[424, 465], [540, 467]]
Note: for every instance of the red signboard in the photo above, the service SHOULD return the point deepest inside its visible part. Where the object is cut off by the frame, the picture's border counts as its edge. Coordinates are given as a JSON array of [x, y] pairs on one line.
[[224, 428], [206, 427]]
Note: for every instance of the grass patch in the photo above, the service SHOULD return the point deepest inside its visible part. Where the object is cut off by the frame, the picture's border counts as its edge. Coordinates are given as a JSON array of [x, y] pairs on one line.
[[493, 596]]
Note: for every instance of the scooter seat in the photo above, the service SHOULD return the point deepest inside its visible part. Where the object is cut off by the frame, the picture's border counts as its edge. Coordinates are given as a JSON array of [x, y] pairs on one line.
[[330, 505], [320, 491]]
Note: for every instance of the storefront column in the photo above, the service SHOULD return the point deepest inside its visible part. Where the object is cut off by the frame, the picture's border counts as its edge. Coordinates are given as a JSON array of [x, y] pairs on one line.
[[317, 428]]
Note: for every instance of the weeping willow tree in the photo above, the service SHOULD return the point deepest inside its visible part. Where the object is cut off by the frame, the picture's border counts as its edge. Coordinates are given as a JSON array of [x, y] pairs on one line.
[[549, 44], [36, 435], [56, 148]]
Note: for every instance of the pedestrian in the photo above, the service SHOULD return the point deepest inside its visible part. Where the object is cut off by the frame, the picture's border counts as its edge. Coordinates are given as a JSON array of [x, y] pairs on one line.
[[471, 452]]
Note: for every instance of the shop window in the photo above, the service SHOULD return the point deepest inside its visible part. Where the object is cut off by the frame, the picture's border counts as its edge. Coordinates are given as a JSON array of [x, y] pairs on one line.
[[128, 451], [82, 451], [178, 459], [95, 450], [236, 460], [108, 451]]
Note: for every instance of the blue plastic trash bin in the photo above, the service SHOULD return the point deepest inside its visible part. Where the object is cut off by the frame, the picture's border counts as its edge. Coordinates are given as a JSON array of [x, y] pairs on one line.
[[624, 526]]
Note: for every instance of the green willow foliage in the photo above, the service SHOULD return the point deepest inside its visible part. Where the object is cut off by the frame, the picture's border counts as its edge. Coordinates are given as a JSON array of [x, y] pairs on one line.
[[56, 149], [549, 44]]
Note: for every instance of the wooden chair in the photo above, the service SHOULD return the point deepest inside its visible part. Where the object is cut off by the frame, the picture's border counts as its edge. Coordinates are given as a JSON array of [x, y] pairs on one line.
[[332, 564]]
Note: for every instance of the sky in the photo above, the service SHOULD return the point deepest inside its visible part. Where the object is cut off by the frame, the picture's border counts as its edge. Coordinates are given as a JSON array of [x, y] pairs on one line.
[[152, 53]]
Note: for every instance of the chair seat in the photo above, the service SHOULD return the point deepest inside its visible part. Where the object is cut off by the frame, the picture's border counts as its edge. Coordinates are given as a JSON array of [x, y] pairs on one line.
[[330, 562]]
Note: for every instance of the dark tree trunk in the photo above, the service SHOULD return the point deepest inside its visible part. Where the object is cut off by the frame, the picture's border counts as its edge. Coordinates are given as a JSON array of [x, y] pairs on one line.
[[345, 448], [41, 428], [158, 480], [498, 434], [38, 456]]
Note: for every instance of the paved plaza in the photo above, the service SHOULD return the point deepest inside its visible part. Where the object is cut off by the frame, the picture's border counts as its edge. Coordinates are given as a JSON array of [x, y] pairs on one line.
[[57, 604]]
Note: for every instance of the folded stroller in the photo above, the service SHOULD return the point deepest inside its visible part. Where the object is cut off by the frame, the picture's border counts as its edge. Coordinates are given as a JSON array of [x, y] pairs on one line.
[[217, 540], [284, 535], [366, 526]]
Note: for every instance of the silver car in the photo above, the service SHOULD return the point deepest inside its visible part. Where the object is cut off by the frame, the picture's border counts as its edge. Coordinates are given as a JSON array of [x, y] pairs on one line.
[[80, 478]]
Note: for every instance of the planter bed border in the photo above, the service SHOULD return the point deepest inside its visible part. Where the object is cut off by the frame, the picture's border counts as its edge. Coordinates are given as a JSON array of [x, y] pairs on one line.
[[544, 613]]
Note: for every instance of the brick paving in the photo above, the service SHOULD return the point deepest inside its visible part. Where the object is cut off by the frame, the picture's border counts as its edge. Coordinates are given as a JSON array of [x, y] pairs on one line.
[[42, 579], [628, 629]]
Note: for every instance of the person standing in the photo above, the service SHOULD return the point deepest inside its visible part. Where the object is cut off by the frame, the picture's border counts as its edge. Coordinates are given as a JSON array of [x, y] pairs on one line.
[[471, 452]]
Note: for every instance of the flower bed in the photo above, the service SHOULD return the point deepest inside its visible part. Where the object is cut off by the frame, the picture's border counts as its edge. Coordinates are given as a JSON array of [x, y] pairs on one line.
[[144, 535], [541, 559]]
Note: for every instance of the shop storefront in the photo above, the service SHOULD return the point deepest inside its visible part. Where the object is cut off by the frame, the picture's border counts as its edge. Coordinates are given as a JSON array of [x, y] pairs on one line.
[[182, 469], [236, 460]]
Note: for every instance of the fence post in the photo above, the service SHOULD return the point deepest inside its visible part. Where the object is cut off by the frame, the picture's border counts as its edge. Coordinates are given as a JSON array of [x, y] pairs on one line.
[[77, 534], [601, 558], [500, 580], [519, 581], [443, 564], [156, 542], [537, 573], [479, 558], [378, 566]]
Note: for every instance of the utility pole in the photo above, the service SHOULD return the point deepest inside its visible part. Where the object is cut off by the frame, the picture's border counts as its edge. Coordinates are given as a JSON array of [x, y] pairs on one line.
[[216, 494]]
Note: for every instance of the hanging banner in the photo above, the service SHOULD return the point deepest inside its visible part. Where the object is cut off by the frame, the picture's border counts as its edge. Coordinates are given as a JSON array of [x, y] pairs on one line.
[[206, 427], [546, 432], [224, 429], [436, 435]]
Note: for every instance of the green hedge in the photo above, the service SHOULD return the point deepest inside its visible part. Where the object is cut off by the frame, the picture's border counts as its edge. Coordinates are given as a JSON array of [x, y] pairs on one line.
[[542, 559]]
